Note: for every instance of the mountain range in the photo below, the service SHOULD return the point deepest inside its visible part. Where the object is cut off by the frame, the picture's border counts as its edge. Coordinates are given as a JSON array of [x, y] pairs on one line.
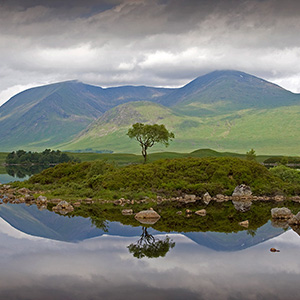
[[222, 110]]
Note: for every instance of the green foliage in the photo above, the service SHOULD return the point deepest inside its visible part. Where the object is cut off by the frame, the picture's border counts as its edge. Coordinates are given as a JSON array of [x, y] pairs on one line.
[[43, 158], [250, 155], [169, 177], [148, 135], [286, 174]]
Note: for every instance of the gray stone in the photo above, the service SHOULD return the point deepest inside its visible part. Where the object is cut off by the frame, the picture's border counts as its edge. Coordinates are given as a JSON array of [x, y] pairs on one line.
[[242, 190]]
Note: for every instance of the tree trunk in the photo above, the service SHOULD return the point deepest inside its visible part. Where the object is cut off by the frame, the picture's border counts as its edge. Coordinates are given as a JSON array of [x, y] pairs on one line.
[[144, 153]]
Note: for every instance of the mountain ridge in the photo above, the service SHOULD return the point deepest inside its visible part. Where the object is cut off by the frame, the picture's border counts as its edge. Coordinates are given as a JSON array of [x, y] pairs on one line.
[[61, 113]]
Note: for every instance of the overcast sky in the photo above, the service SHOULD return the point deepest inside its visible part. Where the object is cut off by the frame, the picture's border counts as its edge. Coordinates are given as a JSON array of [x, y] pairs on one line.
[[146, 42]]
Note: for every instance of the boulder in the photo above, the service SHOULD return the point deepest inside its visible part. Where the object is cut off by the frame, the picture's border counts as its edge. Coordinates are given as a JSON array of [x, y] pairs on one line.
[[281, 213], [206, 198], [201, 212], [279, 198], [242, 190]]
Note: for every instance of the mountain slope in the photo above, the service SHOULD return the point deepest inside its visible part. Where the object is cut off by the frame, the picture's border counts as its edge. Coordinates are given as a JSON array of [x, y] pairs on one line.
[[44, 116], [223, 110], [226, 91]]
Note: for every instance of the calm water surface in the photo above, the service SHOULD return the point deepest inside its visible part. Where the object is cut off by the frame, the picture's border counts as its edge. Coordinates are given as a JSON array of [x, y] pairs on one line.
[[47, 256]]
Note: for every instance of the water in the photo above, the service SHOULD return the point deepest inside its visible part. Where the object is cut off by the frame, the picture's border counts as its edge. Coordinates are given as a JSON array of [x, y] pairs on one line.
[[47, 256]]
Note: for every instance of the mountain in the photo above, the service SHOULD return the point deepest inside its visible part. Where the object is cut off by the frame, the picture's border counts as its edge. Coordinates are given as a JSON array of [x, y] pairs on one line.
[[45, 116], [222, 110], [109, 131], [226, 91]]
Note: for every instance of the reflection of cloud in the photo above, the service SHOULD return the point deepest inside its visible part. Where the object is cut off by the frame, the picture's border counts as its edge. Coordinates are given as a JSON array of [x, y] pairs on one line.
[[102, 267]]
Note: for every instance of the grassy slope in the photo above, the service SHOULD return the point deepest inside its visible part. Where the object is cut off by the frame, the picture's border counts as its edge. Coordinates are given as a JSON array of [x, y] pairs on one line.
[[268, 131], [168, 177]]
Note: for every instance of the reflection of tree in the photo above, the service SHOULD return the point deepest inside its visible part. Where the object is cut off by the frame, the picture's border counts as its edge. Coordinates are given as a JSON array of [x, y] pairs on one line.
[[148, 246], [22, 171]]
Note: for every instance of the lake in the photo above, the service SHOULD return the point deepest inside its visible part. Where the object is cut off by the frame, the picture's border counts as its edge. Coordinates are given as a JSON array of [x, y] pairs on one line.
[[45, 255]]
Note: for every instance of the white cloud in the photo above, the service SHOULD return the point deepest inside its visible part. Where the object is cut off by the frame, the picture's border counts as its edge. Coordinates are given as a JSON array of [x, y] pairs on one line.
[[161, 43]]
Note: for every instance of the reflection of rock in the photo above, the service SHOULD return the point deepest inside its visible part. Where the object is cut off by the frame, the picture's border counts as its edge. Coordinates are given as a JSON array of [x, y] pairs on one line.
[[242, 205], [281, 213], [296, 228], [274, 250], [280, 223], [206, 198], [147, 216], [127, 212], [201, 212], [63, 207], [41, 200], [242, 190], [244, 223], [295, 219]]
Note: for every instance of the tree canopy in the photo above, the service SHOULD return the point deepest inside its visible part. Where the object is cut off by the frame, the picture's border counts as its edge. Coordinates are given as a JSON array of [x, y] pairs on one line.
[[148, 135]]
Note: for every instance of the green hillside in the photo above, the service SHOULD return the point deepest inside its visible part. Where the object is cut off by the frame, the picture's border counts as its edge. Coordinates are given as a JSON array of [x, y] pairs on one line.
[[223, 110], [268, 131]]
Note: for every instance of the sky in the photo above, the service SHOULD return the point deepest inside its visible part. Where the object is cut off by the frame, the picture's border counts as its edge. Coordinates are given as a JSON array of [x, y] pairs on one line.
[[163, 43]]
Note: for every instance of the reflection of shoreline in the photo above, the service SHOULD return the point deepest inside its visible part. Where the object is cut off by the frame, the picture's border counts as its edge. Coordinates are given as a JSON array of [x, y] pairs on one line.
[[50, 225]]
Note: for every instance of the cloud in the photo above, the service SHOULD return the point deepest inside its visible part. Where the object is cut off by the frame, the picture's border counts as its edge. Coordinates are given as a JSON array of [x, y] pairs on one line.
[[159, 42]]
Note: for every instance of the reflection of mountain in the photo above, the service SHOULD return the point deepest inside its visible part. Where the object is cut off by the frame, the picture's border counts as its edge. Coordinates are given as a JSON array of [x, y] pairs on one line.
[[71, 229], [234, 241]]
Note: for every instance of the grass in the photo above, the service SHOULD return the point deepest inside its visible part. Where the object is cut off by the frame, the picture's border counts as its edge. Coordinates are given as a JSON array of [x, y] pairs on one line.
[[167, 177], [268, 131]]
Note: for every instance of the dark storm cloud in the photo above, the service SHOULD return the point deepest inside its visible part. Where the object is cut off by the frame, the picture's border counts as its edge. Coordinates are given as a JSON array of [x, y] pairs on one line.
[[159, 42]]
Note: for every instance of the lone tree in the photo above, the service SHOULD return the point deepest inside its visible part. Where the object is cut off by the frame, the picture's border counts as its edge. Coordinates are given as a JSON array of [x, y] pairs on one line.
[[251, 155], [148, 135]]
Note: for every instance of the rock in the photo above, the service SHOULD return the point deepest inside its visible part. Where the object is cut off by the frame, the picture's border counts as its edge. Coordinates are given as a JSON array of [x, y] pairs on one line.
[[244, 223], [55, 201], [127, 212], [206, 198], [118, 202], [29, 198], [201, 212], [295, 219], [147, 216], [242, 190], [188, 211], [23, 191], [179, 212], [76, 204], [279, 198], [242, 205], [281, 213]]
